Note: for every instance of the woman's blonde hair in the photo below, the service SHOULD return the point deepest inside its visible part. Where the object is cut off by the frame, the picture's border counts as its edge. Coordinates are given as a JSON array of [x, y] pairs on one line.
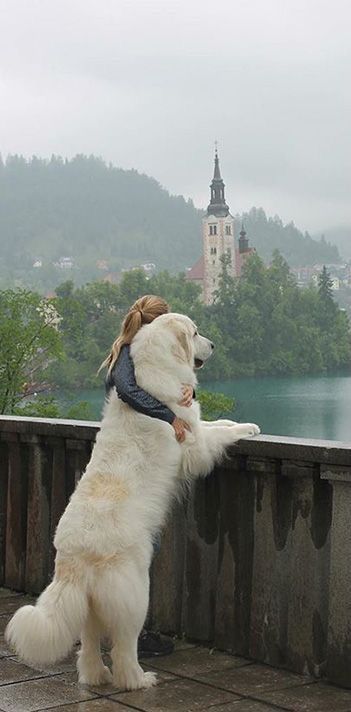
[[143, 311]]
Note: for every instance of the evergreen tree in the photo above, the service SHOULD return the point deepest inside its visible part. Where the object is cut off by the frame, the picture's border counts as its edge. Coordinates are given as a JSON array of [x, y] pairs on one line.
[[225, 294], [327, 309], [325, 287]]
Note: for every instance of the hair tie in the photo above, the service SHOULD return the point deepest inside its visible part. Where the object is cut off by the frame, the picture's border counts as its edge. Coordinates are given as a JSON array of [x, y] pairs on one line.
[[137, 310]]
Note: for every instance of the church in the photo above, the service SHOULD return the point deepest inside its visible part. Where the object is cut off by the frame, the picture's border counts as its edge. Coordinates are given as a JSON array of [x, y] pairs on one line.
[[218, 238]]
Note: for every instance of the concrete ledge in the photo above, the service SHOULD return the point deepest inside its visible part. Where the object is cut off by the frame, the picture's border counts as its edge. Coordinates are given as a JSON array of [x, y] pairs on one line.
[[263, 446], [255, 562]]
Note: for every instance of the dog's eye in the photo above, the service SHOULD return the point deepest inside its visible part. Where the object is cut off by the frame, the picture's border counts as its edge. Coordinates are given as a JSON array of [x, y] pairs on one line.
[[196, 333]]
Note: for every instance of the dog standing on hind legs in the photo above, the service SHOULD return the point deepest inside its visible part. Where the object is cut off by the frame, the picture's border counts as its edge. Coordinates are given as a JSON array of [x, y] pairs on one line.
[[104, 537]]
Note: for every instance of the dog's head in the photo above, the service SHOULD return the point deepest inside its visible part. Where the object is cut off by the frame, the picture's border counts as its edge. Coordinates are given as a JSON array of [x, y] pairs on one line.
[[187, 344]]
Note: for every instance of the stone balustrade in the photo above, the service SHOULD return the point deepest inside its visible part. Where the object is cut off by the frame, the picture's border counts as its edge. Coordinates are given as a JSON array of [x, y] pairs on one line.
[[255, 561]]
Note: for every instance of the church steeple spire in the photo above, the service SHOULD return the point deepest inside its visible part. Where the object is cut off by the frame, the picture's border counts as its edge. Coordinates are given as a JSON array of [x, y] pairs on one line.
[[217, 206], [217, 173]]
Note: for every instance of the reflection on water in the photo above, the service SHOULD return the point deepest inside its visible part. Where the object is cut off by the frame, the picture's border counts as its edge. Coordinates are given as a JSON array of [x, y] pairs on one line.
[[306, 406]]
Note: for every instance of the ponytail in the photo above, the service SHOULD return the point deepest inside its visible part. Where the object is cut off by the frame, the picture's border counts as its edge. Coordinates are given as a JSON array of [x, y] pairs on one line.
[[143, 311]]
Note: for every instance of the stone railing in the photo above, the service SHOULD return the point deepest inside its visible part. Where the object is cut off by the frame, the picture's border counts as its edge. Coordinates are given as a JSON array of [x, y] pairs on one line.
[[257, 561]]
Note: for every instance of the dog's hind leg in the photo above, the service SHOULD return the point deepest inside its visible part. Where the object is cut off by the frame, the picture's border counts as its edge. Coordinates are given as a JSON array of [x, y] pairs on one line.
[[132, 597], [91, 668], [127, 673]]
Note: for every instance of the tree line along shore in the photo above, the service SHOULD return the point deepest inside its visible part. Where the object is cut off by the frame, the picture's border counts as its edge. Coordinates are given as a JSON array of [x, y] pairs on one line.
[[261, 324]]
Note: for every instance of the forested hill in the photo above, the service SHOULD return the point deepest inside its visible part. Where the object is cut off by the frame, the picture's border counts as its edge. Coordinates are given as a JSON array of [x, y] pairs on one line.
[[299, 249], [91, 211]]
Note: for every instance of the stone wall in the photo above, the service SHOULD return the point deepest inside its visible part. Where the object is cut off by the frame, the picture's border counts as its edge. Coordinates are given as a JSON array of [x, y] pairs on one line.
[[256, 561]]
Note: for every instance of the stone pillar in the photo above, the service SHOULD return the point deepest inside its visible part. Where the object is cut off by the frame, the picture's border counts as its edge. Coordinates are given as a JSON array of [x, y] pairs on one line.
[[339, 628], [235, 558], [166, 576], [201, 555], [16, 519]]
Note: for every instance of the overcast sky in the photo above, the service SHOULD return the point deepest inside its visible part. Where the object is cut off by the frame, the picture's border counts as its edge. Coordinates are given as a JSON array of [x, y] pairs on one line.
[[150, 84]]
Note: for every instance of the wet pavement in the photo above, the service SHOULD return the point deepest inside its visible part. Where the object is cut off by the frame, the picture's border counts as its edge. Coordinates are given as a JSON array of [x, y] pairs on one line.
[[193, 678]]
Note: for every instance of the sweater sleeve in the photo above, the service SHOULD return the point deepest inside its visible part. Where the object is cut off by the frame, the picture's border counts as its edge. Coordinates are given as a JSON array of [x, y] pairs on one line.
[[122, 377]]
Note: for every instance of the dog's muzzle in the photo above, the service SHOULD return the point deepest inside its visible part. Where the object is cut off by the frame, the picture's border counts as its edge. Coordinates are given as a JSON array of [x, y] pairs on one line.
[[203, 351]]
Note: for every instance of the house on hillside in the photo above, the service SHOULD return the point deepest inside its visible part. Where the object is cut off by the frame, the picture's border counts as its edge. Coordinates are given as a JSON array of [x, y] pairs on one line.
[[64, 263]]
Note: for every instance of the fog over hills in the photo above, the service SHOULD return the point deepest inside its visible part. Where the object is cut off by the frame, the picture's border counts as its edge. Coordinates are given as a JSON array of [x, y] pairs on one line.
[[90, 211], [340, 236]]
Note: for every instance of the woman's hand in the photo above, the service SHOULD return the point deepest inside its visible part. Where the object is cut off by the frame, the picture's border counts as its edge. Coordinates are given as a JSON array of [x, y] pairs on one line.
[[180, 426], [187, 399]]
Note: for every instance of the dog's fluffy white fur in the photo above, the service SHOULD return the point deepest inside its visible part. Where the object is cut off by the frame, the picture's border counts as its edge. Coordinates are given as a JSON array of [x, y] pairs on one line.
[[104, 538]]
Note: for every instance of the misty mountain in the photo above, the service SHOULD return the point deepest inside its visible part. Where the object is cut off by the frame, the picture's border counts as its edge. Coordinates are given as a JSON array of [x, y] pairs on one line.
[[341, 237], [88, 210], [299, 249]]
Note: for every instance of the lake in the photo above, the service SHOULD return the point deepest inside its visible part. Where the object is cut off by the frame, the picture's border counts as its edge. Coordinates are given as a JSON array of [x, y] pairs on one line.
[[304, 406]]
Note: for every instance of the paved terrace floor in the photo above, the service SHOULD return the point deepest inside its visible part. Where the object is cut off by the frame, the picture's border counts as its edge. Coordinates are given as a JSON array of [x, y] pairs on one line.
[[192, 679]]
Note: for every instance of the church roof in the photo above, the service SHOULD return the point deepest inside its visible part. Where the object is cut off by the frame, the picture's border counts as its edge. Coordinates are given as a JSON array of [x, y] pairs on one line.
[[197, 271]]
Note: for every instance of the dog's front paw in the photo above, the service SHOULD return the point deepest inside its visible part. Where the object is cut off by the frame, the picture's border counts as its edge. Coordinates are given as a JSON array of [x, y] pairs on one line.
[[252, 429]]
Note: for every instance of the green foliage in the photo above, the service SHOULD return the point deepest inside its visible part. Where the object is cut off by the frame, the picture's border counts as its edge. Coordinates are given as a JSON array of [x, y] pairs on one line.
[[328, 308], [214, 405], [273, 327], [29, 342], [91, 318], [325, 287], [260, 324], [79, 411], [45, 406], [40, 407]]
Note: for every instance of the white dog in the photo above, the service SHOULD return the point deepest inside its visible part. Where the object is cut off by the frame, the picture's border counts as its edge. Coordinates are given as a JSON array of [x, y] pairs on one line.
[[104, 538]]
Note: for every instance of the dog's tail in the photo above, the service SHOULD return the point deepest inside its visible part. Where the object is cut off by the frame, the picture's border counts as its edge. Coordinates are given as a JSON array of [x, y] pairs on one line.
[[45, 633]]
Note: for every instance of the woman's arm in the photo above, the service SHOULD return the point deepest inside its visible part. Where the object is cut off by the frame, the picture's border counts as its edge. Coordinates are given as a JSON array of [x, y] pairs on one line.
[[122, 377]]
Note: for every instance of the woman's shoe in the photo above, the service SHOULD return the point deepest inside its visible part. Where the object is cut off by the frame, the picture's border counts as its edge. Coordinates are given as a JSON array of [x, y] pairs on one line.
[[152, 645]]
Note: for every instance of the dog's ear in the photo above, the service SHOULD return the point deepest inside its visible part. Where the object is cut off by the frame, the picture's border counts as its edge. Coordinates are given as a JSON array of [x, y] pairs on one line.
[[183, 350], [184, 341]]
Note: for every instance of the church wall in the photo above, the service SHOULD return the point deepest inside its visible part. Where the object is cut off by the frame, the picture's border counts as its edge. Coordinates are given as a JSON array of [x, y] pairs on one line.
[[221, 242]]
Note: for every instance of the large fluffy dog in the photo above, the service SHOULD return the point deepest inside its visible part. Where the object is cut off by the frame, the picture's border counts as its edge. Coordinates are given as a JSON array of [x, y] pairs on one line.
[[104, 538]]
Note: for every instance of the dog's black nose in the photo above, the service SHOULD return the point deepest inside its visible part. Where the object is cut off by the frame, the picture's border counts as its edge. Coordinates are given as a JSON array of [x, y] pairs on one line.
[[212, 346]]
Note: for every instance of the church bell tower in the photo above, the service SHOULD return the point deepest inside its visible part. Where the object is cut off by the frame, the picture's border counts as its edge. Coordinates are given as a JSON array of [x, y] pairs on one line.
[[217, 236]]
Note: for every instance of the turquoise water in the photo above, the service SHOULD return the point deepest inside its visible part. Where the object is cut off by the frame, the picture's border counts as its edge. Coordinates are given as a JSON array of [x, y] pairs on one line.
[[304, 406]]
